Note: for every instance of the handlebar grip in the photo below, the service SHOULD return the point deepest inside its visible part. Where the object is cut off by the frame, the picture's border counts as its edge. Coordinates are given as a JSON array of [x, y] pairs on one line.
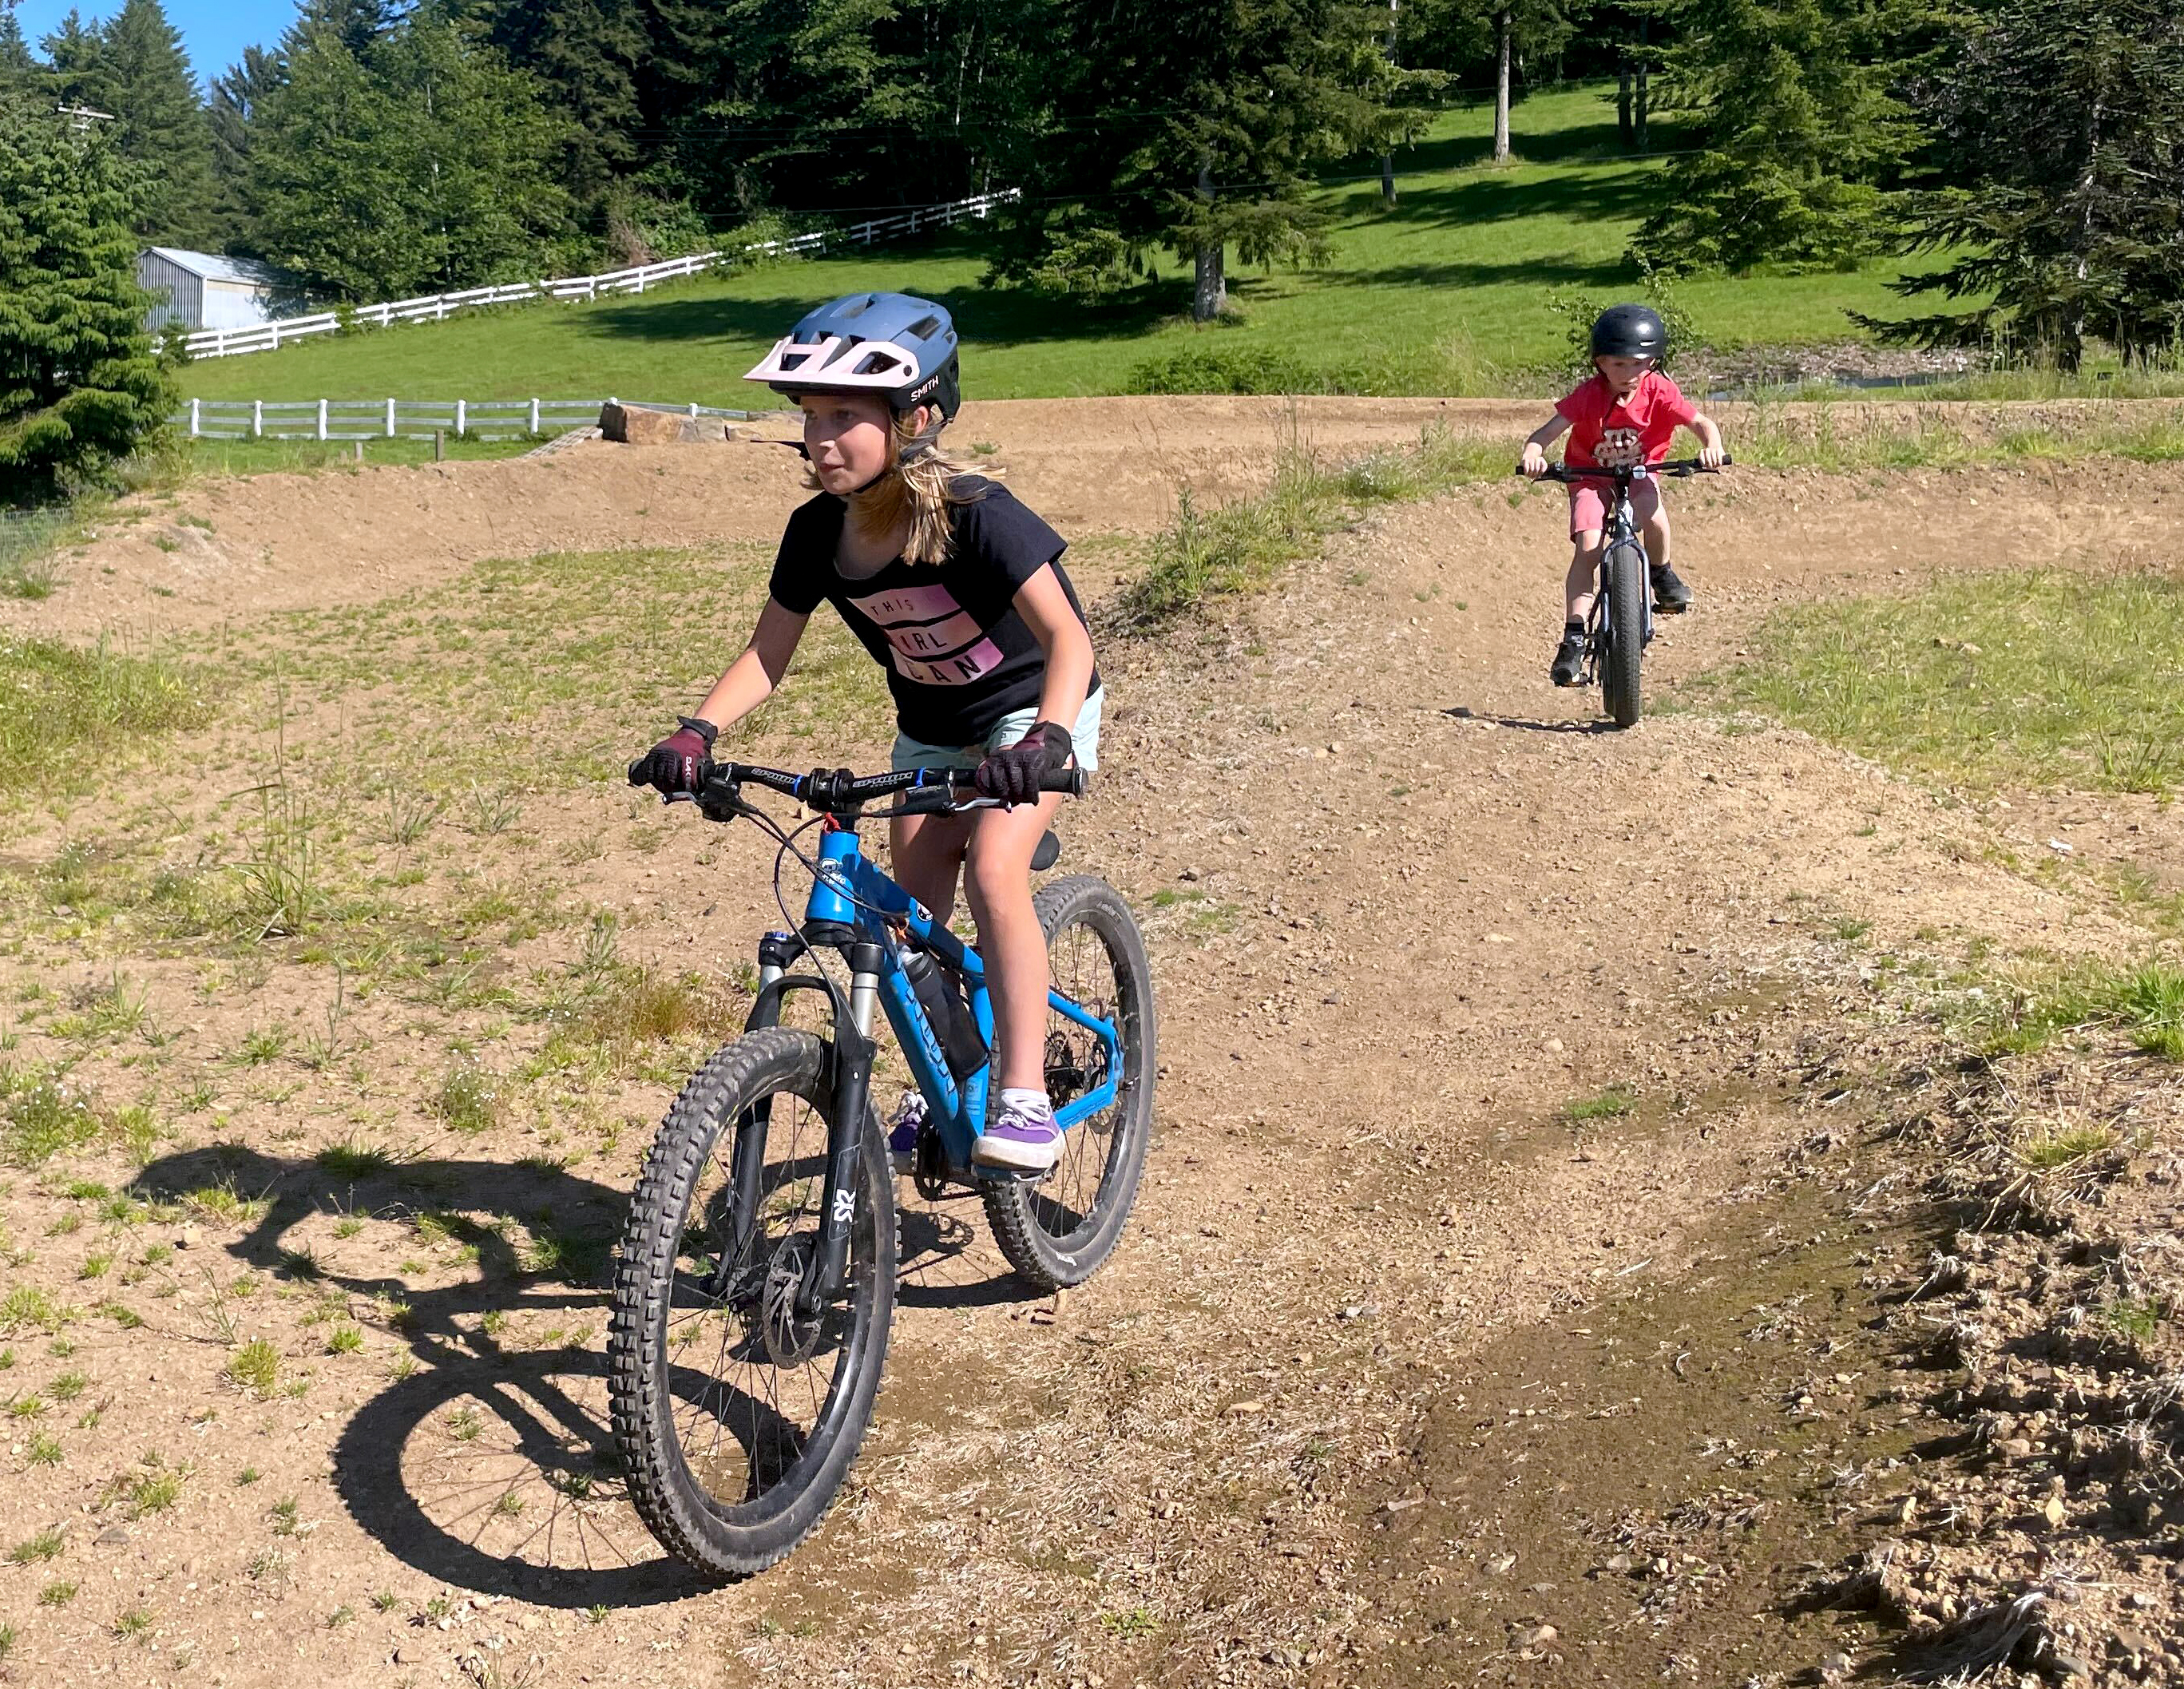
[[1074, 782]]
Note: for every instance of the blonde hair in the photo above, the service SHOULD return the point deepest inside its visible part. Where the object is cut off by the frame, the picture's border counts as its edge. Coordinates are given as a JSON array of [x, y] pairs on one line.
[[923, 490]]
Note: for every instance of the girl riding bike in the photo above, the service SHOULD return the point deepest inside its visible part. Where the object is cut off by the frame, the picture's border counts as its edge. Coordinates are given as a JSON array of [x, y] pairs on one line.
[[957, 590], [1626, 413]]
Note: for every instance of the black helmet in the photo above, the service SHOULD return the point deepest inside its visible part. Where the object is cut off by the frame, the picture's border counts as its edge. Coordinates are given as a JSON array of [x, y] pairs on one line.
[[1629, 331]]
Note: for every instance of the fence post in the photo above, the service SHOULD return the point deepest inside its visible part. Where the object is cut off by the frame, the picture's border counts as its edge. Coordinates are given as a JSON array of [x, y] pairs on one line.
[[194, 404], [534, 416], [462, 417], [257, 419], [322, 419], [390, 419], [693, 410]]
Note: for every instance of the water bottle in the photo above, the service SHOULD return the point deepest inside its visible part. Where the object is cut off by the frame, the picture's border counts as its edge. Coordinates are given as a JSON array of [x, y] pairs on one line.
[[942, 999]]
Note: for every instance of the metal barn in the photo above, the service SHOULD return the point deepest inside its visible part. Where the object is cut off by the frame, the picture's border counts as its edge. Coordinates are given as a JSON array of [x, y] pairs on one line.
[[205, 290]]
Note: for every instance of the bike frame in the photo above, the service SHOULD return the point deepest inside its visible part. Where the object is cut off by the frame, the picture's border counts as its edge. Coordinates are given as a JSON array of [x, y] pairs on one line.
[[856, 908]]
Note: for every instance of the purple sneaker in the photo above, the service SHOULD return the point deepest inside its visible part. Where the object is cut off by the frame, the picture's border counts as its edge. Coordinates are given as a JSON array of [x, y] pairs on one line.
[[1022, 1143], [902, 1131]]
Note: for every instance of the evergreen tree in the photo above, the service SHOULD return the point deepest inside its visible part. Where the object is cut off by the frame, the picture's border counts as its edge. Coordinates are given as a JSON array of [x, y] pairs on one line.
[[81, 385], [1802, 131], [19, 72], [327, 189], [1201, 121], [360, 25], [77, 71], [426, 171], [2069, 116], [586, 55], [238, 99], [159, 123], [478, 140]]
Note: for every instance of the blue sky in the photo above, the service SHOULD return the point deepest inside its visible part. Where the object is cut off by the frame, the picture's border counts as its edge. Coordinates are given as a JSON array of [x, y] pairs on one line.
[[215, 31]]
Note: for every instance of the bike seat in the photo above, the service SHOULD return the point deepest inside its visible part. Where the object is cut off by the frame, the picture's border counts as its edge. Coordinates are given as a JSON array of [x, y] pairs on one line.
[[1047, 853]]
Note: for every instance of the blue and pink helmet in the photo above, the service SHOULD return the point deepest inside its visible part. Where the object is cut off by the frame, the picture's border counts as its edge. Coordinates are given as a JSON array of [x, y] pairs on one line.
[[892, 346]]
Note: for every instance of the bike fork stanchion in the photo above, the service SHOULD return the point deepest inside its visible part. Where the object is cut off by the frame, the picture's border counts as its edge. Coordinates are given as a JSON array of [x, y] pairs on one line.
[[853, 1079]]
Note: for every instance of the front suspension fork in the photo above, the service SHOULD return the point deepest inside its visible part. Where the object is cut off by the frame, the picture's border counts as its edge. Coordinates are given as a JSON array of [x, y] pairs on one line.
[[845, 1130]]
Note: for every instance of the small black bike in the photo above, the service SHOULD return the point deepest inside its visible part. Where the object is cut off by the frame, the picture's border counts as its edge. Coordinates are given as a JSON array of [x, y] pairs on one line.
[[1621, 625]]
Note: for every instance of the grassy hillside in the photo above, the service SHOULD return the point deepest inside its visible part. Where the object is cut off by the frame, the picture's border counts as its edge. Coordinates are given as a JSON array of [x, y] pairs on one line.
[[1447, 293]]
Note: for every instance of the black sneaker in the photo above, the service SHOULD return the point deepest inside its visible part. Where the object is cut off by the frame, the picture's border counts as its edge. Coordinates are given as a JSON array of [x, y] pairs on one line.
[[1671, 597], [1569, 658]]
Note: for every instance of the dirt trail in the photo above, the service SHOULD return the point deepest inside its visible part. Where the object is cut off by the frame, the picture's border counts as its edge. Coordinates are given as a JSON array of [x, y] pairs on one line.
[[1406, 904], [231, 550]]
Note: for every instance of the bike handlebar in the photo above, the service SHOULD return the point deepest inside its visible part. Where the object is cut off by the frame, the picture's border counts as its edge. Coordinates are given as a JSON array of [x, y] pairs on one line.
[[834, 791], [1681, 466]]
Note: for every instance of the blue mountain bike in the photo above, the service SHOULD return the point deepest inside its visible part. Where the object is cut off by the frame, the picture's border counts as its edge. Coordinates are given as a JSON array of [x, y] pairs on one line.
[[757, 1277], [1621, 625]]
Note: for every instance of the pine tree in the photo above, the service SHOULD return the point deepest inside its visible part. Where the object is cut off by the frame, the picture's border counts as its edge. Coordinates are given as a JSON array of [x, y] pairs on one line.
[[586, 55], [1193, 125], [1803, 130], [159, 123], [477, 141], [238, 100], [80, 384], [2069, 117], [78, 72], [360, 25], [19, 72], [426, 170], [328, 187]]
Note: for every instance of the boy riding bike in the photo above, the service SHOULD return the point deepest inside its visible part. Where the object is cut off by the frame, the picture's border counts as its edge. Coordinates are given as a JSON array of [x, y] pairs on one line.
[[957, 590], [1627, 414]]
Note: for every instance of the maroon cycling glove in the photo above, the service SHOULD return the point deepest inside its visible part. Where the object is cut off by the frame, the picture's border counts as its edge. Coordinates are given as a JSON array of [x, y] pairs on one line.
[[672, 765], [1013, 774]]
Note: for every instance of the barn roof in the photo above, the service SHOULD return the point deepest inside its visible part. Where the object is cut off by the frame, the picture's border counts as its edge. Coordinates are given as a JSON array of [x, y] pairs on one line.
[[218, 267]]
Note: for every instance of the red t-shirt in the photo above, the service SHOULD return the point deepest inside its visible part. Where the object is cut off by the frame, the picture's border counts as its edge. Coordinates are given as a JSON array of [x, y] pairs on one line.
[[1606, 434]]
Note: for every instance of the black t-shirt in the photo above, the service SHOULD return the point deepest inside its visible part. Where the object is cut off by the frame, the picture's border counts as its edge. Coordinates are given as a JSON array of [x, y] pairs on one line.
[[957, 655]]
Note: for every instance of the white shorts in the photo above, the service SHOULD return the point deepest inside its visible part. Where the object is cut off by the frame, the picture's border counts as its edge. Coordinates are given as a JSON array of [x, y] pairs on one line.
[[910, 753]]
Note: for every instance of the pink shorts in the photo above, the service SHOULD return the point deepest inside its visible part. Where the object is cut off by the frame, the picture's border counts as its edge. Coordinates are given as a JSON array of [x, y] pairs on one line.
[[1589, 504]]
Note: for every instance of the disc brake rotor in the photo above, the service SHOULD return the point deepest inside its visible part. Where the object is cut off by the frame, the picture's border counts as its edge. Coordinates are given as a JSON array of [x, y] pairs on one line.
[[791, 1340]]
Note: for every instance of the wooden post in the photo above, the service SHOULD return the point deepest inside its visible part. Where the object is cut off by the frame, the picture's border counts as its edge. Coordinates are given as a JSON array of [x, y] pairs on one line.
[[439, 445], [360, 453]]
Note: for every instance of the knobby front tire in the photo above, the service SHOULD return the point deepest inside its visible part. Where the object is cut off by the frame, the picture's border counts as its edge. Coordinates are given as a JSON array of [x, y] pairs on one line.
[[1625, 569], [1057, 1230], [736, 1419]]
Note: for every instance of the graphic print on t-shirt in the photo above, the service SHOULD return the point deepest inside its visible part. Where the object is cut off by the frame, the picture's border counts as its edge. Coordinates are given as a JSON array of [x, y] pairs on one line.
[[1619, 449], [934, 640]]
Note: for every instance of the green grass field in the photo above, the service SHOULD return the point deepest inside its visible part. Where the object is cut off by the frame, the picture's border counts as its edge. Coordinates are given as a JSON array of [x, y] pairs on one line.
[[1449, 293]]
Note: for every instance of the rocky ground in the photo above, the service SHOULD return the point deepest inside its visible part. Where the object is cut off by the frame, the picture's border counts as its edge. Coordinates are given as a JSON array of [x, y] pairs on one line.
[[1566, 1252]]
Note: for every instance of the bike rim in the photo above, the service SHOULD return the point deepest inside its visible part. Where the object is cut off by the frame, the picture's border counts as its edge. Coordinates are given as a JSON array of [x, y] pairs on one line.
[[759, 1391], [1085, 970]]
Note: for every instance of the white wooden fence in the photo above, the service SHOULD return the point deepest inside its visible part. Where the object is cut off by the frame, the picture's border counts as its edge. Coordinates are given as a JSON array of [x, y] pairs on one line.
[[266, 336], [388, 419]]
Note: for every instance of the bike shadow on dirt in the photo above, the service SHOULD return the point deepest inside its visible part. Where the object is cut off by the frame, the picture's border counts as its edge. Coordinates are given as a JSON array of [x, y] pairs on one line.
[[1529, 724], [488, 1462]]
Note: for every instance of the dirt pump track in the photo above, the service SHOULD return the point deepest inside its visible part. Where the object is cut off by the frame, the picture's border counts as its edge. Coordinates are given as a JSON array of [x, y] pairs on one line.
[[1405, 903]]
